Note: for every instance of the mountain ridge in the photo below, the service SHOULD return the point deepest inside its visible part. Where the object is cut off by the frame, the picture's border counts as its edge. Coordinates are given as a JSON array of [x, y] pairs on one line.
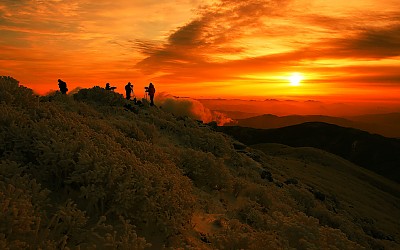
[[383, 124], [372, 151]]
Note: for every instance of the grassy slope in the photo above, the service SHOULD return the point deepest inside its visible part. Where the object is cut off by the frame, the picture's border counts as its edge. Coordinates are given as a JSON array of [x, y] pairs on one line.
[[362, 193], [83, 171]]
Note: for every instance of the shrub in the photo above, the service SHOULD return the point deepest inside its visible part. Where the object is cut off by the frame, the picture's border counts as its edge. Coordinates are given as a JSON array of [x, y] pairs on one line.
[[100, 96], [13, 94], [205, 170]]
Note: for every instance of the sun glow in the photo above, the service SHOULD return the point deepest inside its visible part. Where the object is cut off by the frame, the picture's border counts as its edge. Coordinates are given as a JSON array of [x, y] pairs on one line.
[[295, 79]]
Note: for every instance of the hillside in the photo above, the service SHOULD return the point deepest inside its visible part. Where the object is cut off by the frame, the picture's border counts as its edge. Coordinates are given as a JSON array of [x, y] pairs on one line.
[[384, 124], [273, 121], [92, 170], [338, 182], [372, 151]]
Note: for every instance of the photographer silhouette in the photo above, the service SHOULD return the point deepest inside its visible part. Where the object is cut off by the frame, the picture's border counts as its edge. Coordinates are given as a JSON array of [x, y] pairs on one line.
[[110, 88], [151, 90], [63, 86], [128, 90]]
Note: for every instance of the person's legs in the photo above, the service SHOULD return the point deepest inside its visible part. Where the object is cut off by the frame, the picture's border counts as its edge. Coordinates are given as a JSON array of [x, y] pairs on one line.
[[151, 100]]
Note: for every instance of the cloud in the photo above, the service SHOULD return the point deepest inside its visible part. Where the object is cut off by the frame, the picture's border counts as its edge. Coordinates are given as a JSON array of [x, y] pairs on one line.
[[188, 35], [376, 43], [210, 36], [190, 108], [219, 43]]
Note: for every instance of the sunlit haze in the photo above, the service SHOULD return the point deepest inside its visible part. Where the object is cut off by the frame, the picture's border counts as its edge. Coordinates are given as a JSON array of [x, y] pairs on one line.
[[333, 51]]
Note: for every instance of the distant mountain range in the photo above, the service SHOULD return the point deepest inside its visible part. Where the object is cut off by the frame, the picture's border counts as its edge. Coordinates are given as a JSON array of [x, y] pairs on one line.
[[374, 152], [238, 114], [384, 124]]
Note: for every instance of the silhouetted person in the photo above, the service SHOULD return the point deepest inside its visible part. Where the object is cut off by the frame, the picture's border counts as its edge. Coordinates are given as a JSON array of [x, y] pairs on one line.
[[63, 86], [151, 91], [110, 88], [128, 90]]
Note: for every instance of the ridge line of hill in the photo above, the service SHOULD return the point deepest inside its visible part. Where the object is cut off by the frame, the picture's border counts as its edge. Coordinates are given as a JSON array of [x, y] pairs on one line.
[[387, 125], [374, 152]]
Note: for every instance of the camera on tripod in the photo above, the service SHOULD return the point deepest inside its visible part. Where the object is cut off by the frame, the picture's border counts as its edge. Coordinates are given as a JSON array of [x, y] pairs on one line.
[[146, 89]]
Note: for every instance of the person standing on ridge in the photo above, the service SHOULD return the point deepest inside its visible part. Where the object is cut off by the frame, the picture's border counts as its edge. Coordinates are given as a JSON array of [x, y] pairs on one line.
[[151, 91], [108, 87], [128, 90], [63, 86]]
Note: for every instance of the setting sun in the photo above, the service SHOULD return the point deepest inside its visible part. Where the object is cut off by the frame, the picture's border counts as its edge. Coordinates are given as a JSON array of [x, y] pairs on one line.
[[295, 79]]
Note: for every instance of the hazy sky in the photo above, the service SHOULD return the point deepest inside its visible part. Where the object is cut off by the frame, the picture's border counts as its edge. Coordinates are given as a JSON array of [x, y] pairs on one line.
[[342, 49]]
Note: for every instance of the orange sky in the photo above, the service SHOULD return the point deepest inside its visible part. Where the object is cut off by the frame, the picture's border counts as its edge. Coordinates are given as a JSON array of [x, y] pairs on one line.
[[344, 49]]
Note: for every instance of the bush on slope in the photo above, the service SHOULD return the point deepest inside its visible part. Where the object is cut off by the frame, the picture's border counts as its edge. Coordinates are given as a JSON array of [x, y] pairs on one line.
[[75, 172]]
